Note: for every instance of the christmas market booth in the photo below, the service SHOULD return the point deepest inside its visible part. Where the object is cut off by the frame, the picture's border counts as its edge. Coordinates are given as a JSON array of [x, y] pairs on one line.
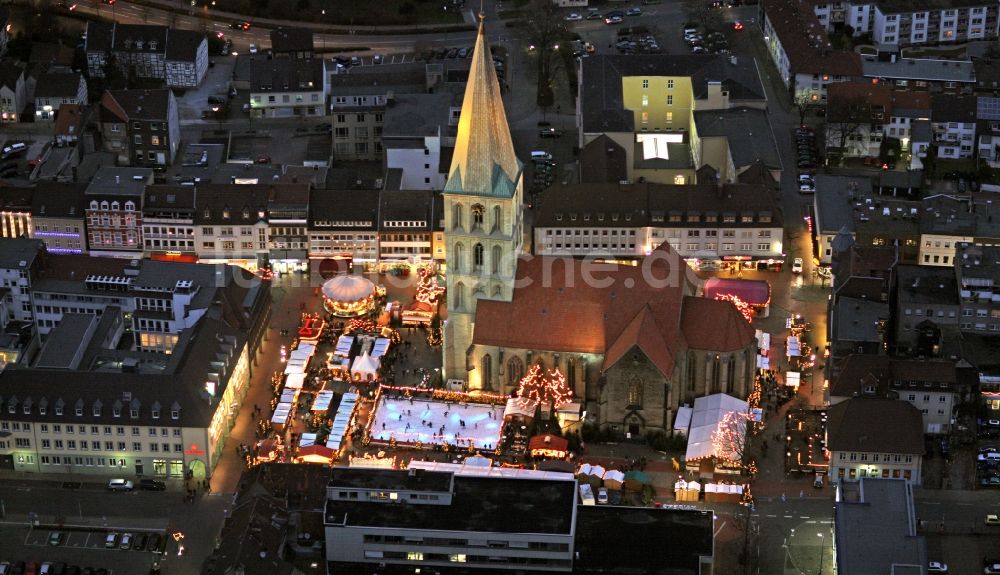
[[751, 297], [548, 446], [315, 454], [349, 296], [717, 434], [364, 368]]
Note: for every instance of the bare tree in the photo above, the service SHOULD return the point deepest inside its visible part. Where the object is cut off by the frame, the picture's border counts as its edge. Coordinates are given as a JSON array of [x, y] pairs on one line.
[[545, 30], [803, 102], [702, 12], [731, 438], [846, 119]]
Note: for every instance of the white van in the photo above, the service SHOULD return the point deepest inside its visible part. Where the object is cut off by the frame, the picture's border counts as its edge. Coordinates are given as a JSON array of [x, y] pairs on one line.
[[14, 149], [540, 156], [586, 495]]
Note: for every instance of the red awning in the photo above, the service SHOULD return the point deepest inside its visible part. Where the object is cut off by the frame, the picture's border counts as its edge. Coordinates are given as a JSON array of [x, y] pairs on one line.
[[548, 444], [753, 292]]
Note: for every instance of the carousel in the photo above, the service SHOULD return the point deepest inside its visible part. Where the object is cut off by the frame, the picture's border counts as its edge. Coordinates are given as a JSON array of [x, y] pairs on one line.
[[349, 296]]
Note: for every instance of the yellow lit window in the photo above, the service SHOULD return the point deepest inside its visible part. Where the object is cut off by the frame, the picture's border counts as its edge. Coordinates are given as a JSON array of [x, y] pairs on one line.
[[670, 117], [645, 117], [645, 100], [679, 179]]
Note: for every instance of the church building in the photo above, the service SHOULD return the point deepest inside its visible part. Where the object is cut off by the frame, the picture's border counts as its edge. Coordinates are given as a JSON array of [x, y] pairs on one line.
[[634, 341]]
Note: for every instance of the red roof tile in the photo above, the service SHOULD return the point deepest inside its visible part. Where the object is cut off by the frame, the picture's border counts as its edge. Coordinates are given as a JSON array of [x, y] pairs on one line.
[[715, 325], [566, 305]]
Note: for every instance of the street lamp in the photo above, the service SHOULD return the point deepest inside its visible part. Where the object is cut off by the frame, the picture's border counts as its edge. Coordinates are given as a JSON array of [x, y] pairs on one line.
[[822, 546]]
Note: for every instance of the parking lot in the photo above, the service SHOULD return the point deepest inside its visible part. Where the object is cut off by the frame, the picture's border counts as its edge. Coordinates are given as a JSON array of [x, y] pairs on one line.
[[193, 103], [84, 547]]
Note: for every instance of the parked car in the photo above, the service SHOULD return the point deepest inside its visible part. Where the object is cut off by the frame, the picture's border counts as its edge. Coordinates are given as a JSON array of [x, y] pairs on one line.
[[937, 567], [550, 133], [634, 11], [594, 16], [119, 485], [253, 48], [140, 542], [602, 496], [152, 485], [573, 17], [56, 538], [992, 519], [992, 569], [154, 542], [797, 266], [111, 540], [807, 187], [453, 52]]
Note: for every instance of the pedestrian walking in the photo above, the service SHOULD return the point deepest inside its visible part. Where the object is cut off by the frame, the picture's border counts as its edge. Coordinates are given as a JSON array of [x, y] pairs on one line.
[[782, 497]]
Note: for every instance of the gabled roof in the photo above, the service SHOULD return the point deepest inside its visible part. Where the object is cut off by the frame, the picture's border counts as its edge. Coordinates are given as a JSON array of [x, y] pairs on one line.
[[483, 163], [603, 161], [58, 85], [127, 105], [714, 325], [182, 45], [804, 40], [953, 108], [875, 425], [608, 309], [643, 332], [10, 74]]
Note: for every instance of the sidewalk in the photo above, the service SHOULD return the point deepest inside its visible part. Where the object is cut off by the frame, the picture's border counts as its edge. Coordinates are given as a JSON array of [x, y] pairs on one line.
[[185, 8]]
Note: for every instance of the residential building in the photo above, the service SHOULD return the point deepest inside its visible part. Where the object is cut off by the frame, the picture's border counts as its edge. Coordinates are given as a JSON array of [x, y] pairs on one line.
[[896, 24], [935, 387], [927, 308], [295, 43], [69, 121], [162, 406], [832, 211], [20, 262], [15, 212], [13, 97], [650, 105], [881, 221], [988, 129], [482, 211], [58, 216], [945, 221], [344, 227], [953, 119], [860, 116], [56, 89], [186, 58], [168, 222], [141, 126], [286, 87], [114, 211], [798, 45], [363, 97], [875, 437], [859, 311], [178, 57], [875, 529], [951, 76], [287, 221], [731, 222], [442, 522], [231, 224], [977, 273], [406, 225], [418, 137]]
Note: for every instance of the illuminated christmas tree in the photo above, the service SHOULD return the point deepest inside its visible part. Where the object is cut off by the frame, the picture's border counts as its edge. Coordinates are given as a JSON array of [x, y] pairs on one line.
[[730, 438], [743, 307], [547, 387], [428, 290]]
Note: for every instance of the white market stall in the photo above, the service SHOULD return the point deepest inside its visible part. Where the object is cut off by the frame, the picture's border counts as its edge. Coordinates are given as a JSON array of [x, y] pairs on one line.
[[295, 381], [364, 368], [344, 344], [708, 413], [322, 401]]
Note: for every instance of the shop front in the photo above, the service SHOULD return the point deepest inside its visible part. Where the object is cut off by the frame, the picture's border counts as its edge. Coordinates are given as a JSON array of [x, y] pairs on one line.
[[288, 261]]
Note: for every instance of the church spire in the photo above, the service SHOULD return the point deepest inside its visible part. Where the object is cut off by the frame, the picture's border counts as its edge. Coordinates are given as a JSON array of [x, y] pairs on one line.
[[482, 144]]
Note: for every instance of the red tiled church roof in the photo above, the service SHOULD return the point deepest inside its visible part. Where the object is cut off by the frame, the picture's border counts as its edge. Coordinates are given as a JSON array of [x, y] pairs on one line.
[[566, 305]]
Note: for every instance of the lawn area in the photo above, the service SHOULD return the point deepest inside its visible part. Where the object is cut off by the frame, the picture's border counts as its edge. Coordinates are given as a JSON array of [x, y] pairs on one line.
[[349, 12]]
